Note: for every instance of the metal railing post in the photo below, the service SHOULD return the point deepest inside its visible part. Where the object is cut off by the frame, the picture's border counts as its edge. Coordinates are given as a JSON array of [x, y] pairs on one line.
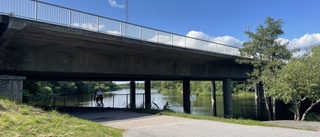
[[157, 34], [70, 14], [185, 42], [172, 39], [112, 101], [121, 29], [126, 100], [82, 100], [98, 27], [36, 10], [140, 33]]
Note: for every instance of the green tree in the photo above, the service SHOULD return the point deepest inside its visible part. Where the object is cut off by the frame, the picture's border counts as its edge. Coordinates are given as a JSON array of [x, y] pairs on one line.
[[299, 81], [266, 54]]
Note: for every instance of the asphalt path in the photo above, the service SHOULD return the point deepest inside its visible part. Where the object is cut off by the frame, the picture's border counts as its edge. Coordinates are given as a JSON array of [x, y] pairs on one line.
[[146, 125]]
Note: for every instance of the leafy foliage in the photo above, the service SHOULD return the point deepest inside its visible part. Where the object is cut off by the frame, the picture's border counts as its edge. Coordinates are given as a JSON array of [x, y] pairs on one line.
[[39, 90], [202, 88], [298, 81], [266, 54]]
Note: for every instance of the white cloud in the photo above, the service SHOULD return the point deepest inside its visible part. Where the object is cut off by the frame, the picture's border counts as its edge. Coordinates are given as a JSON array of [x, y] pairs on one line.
[[303, 43], [113, 3], [90, 26], [227, 40], [114, 32], [198, 35], [198, 40]]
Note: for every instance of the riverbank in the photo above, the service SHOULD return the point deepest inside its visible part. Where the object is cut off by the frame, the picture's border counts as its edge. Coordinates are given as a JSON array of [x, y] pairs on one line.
[[22, 120], [306, 125]]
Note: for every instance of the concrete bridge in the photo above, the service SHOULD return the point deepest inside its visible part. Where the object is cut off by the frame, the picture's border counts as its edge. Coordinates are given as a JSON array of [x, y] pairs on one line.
[[35, 46]]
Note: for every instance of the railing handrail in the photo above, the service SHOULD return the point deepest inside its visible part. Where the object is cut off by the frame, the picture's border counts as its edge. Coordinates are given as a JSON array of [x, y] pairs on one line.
[[121, 23], [132, 23]]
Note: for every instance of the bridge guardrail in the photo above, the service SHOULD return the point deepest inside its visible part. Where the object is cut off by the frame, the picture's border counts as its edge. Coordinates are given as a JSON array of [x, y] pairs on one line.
[[49, 13], [88, 100]]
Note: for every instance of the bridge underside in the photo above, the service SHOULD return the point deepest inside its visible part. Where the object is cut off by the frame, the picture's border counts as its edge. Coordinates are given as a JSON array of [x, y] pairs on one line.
[[43, 51]]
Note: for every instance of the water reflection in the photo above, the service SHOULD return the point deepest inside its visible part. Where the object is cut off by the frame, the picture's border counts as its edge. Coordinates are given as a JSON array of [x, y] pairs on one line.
[[243, 107]]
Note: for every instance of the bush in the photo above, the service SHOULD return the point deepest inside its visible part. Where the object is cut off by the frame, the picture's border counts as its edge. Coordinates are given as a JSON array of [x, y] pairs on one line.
[[313, 117]]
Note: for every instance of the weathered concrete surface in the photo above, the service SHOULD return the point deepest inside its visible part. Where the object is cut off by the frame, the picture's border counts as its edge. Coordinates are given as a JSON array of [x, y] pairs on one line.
[[11, 87], [145, 125], [47, 51]]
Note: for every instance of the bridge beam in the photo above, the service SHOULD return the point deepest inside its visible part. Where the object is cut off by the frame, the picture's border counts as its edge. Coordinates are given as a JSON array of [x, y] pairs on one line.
[[147, 94], [11, 87], [132, 95], [186, 96], [227, 98], [213, 98]]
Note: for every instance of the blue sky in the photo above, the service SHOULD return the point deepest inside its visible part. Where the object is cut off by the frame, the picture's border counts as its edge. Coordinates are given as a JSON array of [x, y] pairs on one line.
[[221, 21]]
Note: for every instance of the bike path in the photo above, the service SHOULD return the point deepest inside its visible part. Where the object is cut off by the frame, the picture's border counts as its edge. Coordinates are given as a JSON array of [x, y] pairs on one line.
[[146, 125]]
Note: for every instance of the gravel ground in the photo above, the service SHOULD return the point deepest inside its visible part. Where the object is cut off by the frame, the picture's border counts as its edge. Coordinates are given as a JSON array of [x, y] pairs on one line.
[[145, 125], [298, 124]]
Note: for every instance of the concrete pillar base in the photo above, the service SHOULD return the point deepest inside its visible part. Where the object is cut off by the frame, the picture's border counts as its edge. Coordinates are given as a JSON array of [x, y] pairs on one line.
[[11, 87], [186, 96], [227, 98], [213, 98], [147, 91], [132, 95]]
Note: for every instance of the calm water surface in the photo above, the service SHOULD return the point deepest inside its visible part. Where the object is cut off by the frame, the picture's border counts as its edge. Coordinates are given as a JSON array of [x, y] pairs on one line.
[[243, 107]]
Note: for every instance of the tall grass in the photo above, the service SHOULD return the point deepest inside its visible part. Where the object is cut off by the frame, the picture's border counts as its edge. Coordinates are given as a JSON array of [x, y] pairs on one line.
[[22, 120]]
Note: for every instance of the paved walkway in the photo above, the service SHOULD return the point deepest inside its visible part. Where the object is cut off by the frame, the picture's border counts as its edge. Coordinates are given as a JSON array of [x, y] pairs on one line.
[[146, 125]]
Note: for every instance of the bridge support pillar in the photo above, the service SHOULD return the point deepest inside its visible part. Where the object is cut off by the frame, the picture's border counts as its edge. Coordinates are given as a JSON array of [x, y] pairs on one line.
[[147, 94], [132, 95], [186, 96], [11, 87], [213, 98], [227, 98]]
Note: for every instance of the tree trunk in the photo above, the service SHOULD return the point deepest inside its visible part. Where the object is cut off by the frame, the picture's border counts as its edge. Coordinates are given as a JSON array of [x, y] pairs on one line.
[[297, 115], [309, 108], [267, 102], [273, 109], [264, 112]]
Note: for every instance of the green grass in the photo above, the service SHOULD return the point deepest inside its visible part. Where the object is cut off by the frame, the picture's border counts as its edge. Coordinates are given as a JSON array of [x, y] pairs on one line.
[[235, 121], [18, 119], [176, 114]]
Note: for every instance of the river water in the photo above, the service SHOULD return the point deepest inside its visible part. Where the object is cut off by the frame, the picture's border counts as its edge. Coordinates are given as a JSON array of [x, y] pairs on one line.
[[243, 107]]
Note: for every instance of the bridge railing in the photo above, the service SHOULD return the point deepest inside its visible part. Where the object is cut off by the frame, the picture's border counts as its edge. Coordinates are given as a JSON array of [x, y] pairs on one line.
[[49, 13]]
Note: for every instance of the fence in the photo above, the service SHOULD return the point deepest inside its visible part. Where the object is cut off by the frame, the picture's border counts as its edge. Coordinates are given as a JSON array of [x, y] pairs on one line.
[[110, 101], [49, 13]]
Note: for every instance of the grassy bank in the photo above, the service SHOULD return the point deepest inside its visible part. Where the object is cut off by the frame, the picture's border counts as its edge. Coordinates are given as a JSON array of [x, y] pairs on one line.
[[22, 120], [235, 121], [176, 114]]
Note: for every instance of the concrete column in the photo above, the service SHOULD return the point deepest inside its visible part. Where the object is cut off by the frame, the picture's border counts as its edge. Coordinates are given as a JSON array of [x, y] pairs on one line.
[[227, 98], [147, 94], [186, 96], [132, 95], [213, 98], [11, 87]]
